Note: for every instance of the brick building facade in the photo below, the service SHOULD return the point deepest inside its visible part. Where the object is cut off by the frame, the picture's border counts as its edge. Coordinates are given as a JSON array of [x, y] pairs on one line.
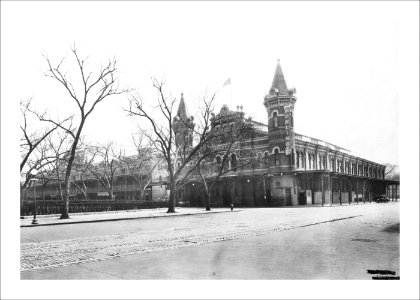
[[289, 168]]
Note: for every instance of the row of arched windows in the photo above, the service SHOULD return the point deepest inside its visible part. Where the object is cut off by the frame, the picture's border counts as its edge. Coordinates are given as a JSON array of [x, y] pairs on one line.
[[225, 127], [262, 161]]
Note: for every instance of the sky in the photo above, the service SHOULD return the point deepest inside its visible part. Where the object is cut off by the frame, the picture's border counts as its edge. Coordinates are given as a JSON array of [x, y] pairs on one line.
[[354, 66], [341, 60]]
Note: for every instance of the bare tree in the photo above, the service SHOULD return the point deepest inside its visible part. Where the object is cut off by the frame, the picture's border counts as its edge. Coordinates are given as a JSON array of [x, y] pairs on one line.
[[94, 89], [40, 160], [220, 156], [141, 166], [392, 171], [60, 143], [59, 147], [105, 170], [82, 168], [162, 135], [31, 139]]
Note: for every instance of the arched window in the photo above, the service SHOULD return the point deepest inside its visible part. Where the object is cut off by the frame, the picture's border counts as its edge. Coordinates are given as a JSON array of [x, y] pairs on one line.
[[276, 122], [276, 157], [218, 160], [298, 159], [233, 162]]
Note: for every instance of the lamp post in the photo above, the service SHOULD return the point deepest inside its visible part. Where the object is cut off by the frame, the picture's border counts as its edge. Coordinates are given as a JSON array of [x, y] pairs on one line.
[[33, 179]]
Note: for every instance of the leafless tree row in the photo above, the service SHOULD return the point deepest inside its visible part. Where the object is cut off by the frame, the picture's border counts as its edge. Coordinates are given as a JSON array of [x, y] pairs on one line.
[[53, 149]]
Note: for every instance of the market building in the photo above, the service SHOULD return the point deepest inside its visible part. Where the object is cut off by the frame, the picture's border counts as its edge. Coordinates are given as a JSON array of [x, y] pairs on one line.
[[289, 168]]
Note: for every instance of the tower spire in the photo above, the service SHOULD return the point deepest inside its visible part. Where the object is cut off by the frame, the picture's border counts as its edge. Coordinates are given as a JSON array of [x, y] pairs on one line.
[[183, 125], [182, 111], [279, 84]]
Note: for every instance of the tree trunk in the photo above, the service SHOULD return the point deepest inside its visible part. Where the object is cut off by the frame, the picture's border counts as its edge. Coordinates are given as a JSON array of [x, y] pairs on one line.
[[141, 193], [61, 191], [65, 207], [85, 191], [66, 201], [171, 203], [207, 195], [207, 200]]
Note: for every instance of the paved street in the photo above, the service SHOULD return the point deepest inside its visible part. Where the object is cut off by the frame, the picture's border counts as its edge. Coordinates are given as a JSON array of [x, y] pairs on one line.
[[339, 242]]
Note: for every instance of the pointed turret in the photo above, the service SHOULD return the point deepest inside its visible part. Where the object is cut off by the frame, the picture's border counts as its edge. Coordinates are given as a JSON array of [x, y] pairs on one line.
[[278, 87], [182, 111], [183, 125], [280, 103]]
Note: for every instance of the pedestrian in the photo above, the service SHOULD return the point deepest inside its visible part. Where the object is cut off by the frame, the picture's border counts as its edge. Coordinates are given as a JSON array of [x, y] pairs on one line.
[[231, 206]]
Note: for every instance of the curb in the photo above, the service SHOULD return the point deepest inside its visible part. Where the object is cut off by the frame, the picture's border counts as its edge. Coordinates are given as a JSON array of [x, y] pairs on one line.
[[129, 218]]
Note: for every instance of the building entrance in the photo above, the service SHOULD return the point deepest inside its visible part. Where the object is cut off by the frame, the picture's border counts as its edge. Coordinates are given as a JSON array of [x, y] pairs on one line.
[[302, 198]]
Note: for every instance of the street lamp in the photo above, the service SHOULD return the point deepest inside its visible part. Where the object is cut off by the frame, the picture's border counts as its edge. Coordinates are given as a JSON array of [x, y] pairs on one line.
[[33, 179]]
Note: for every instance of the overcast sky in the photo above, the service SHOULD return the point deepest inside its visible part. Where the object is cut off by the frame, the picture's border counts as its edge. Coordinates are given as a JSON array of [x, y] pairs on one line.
[[344, 59], [341, 58]]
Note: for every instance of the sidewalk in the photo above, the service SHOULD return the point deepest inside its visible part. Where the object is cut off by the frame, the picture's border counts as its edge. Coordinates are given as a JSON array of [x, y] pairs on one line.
[[45, 220]]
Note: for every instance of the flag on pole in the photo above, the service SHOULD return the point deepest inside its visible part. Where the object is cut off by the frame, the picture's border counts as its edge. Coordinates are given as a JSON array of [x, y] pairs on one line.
[[227, 82]]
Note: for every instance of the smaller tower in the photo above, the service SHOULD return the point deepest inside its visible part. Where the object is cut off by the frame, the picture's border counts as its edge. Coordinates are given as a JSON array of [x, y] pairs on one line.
[[280, 103], [183, 126]]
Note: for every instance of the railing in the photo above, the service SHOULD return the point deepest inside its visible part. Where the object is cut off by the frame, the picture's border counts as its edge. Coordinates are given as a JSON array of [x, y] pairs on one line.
[[45, 207], [117, 188]]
